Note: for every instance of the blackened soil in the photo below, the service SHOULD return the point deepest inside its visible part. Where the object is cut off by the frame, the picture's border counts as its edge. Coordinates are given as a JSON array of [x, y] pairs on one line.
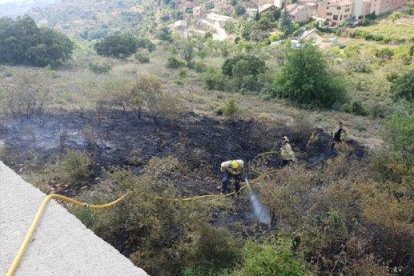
[[120, 139]]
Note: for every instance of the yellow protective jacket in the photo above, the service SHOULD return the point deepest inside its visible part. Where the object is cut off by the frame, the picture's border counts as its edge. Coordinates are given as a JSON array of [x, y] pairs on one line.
[[287, 153], [227, 167]]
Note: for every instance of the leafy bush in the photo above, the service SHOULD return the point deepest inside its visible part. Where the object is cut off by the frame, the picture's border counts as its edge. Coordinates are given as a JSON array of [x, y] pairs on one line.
[[254, 65], [355, 107], [400, 134], [118, 45], [271, 258], [147, 95], [142, 58], [229, 108], [214, 80], [155, 229], [305, 79], [146, 44], [239, 10], [384, 53], [208, 254], [402, 87], [164, 34], [24, 43], [74, 167], [26, 97], [174, 63], [243, 70], [99, 68]]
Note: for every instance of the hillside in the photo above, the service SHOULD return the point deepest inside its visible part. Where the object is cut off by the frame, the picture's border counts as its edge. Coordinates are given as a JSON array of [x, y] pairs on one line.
[[13, 8], [152, 97]]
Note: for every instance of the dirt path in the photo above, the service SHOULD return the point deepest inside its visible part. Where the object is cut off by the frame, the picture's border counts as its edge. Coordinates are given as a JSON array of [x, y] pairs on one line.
[[62, 245], [220, 33]]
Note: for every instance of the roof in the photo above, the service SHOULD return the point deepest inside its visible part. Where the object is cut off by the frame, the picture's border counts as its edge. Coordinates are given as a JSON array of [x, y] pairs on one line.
[[311, 5], [180, 24], [189, 5], [291, 7], [266, 7], [339, 2], [217, 17]]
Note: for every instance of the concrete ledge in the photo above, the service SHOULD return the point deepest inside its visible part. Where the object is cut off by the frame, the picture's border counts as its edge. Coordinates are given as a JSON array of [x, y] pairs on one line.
[[62, 245]]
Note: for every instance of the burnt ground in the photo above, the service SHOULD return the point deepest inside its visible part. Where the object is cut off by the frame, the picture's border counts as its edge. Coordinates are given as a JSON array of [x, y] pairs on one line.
[[120, 139]]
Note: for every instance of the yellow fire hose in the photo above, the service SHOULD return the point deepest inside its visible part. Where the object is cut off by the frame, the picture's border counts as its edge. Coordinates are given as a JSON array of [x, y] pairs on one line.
[[43, 206], [38, 216]]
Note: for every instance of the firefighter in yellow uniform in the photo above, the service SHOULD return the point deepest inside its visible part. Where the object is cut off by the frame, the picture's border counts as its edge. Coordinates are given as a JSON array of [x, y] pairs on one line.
[[231, 169], [286, 153]]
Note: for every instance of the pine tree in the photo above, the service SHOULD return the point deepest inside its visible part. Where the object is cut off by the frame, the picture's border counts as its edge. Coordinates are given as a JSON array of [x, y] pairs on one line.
[[285, 24]]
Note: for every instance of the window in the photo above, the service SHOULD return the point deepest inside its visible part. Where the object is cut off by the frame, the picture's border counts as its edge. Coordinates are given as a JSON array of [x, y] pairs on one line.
[[346, 16], [328, 13], [347, 10], [338, 8], [335, 17]]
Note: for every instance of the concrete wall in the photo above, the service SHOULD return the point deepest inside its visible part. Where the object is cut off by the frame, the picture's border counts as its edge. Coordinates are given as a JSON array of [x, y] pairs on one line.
[[62, 245]]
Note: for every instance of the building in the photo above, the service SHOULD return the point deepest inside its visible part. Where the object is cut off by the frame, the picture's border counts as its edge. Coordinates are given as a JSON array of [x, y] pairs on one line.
[[252, 12], [197, 12], [217, 19], [298, 13], [383, 6], [335, 12], [312, 8]]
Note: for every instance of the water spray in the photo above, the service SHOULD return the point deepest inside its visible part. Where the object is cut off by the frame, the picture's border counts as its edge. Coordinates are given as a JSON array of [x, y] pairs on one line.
[[261, 212]]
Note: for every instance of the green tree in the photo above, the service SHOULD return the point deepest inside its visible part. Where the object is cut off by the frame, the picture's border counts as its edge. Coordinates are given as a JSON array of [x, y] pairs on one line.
[[305, 79], [186, 50], [285, 24], [118, 45], [164, 34], [253, 65], [239, 10], [403, 86], [22, 42], [243, 70]]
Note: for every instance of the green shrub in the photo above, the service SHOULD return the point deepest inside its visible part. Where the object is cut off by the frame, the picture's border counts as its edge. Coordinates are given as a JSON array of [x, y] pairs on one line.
[[402, 87], [214, 80], [270, 258], [377, 111], [155, 229], [230, 107], [384, 53], [251, 65], [400, 135], [358, 109], [213, 251], [239, 10], [142, 58], [74, 167], [306, 80], [146, 44], [174, 63], [99, 68]]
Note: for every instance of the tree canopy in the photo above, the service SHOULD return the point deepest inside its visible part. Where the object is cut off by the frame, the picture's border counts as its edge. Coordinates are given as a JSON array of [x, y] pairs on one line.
[[22, 42], [117, 45], [251, 65], [305, 79]]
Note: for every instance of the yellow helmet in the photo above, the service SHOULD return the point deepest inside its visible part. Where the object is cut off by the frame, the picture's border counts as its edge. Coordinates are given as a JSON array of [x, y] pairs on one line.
[[235, 165]]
